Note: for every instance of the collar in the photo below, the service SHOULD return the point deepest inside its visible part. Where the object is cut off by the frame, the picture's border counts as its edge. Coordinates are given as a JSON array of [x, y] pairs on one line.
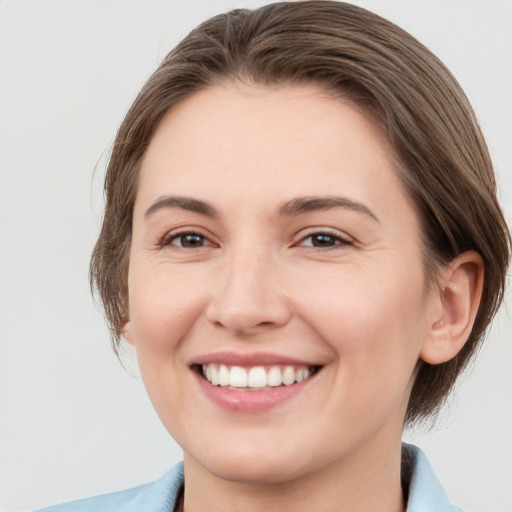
[[425, 493]]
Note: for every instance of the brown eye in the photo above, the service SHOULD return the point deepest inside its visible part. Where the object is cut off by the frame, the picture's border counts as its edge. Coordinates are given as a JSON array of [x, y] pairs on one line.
[[323, 240], [187, 240], [191, 240]]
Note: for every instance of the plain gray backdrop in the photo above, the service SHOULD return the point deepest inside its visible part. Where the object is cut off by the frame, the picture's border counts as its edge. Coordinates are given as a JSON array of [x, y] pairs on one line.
[[73, 422]]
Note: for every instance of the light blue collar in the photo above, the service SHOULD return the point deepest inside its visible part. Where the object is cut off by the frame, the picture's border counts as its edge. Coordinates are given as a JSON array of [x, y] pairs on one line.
[[425, 492]]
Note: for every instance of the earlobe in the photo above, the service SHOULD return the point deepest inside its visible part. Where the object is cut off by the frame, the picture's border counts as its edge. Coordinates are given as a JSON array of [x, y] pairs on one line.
[[460, 290], [128, 334]]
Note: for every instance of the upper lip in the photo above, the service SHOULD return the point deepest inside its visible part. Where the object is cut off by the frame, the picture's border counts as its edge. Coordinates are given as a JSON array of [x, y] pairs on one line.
[[254, 359]]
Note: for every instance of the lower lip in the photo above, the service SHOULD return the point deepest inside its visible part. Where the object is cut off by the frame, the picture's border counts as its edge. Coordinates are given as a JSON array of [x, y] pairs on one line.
[[251, 401]]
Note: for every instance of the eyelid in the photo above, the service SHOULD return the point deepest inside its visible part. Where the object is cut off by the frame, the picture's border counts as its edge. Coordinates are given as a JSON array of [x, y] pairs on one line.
[[168, 237], [335, 233]]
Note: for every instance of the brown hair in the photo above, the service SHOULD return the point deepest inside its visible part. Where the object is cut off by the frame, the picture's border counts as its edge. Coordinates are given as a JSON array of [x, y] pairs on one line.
[[441, 154]]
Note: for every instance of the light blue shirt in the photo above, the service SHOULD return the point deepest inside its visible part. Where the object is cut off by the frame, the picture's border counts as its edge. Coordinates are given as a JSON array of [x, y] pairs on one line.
[[425, 493]]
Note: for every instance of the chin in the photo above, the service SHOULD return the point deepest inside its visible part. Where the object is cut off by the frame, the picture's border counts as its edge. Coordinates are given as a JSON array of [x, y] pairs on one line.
[[262, 473], [252, 467]]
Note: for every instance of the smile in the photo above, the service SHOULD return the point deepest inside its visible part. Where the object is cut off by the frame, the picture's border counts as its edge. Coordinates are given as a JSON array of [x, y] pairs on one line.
[[255, 378]]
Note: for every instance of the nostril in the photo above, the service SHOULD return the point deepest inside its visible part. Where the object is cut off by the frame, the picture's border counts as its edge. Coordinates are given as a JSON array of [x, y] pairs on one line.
[[247, 319], [246, 301]]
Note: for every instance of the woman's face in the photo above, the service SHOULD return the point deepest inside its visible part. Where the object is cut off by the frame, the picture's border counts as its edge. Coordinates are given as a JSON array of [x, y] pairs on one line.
[[273, 243]]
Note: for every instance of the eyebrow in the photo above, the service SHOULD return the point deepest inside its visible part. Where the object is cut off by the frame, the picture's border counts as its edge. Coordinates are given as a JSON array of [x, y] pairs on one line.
[[186, 203], [301, 205], [294, 207]]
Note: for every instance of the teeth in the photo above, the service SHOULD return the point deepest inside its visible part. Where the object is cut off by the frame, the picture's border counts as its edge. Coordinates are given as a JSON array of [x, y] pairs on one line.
[[238, 377], [214, 375], [257, 377], [274, 377], [288, 375], [223, 375]]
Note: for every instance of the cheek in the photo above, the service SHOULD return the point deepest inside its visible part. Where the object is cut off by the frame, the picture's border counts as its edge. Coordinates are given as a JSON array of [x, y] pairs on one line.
[[370, 317], [374, 330], [163, 309]]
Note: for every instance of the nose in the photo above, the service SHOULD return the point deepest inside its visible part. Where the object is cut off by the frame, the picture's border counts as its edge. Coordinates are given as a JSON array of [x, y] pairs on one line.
[[250, 298]]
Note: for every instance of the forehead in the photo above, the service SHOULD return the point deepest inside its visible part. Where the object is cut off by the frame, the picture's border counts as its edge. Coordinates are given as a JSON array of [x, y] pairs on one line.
[[244, 141]]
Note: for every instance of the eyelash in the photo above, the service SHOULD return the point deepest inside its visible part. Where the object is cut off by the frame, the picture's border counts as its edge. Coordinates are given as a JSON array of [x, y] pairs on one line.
[[171, 237], [331, 237], [337, 239]]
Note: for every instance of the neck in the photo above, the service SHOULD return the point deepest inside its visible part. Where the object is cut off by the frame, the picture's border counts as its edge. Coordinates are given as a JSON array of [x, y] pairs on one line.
[[363, 481]]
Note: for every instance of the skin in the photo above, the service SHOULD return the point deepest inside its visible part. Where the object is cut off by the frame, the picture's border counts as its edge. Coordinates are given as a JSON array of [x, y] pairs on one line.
[[256, 281]]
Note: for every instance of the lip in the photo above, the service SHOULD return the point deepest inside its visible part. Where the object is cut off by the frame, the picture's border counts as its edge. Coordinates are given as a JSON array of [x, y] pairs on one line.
[[247, 360], [248, 401]]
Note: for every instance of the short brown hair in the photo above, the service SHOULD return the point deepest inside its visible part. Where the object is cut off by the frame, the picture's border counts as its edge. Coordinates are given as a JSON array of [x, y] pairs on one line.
[[441, 154]]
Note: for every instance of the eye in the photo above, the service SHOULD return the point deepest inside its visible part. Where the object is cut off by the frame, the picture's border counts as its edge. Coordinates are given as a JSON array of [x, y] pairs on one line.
[[187, 240], [324, 240]]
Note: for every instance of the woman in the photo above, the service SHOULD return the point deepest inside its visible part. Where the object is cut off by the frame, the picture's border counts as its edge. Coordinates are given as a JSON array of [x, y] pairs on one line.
[[303, 243]]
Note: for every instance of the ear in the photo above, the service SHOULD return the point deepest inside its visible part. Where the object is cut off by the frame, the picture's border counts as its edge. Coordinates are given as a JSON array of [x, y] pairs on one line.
[[128, 333], [460, 291]]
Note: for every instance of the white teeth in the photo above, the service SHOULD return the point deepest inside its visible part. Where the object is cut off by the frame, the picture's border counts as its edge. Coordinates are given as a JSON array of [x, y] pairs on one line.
[[214, 375], [238, 377], [257, 377], [303, 374], [274, 376], [223, 375], [288, 375]]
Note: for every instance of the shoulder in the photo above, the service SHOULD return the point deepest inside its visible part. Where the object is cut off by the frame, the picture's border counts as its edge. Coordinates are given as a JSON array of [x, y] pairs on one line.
[[425, 491], [157, 496]]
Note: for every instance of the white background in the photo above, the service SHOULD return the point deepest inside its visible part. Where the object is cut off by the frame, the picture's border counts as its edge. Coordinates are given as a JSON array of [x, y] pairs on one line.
[[73, 422]]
